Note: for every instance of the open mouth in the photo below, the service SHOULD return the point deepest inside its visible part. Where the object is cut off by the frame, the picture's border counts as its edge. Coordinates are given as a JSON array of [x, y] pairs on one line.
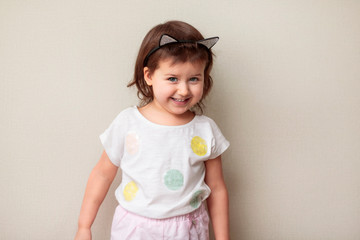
[[180, 101]]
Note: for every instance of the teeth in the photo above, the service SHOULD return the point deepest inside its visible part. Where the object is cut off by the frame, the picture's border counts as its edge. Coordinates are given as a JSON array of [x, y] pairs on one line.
[[179, 100]]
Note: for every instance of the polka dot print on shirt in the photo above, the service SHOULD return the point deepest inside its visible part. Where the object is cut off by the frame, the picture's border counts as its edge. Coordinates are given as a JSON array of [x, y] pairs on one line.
[[173, 179], [130, 191], [196, 199], [199, 146], [132, 143]]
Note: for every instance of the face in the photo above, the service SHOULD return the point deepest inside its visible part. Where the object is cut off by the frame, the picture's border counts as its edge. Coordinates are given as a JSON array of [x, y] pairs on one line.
[[176, 86]]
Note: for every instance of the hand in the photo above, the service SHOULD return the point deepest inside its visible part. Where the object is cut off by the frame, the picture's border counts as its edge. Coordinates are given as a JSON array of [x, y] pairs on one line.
[[83, 234]]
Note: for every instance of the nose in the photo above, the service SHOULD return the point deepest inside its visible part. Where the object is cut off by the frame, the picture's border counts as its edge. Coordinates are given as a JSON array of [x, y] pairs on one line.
[[183, 89]]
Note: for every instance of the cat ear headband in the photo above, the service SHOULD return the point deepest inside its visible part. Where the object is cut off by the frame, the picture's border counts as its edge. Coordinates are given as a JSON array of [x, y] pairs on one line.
[[167, 39]]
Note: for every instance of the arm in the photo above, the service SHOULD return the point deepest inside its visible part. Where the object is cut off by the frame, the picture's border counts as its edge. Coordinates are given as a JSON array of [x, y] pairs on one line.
[[218, 203], [97, 187]]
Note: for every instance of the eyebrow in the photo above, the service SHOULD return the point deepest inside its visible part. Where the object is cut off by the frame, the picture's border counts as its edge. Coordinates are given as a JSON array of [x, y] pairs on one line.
[[192, 75]]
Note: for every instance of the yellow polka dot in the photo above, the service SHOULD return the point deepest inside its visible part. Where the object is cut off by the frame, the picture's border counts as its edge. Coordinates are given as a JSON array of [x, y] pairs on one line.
[[198, 145], [130, 191]]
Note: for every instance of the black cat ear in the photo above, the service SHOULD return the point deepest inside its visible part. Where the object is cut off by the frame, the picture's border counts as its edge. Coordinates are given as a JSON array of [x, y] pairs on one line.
[[166, 39], [209, 42]]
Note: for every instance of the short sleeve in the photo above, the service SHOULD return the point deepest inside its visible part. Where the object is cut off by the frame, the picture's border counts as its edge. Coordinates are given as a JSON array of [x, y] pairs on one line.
[[219, 143], [112, 139]]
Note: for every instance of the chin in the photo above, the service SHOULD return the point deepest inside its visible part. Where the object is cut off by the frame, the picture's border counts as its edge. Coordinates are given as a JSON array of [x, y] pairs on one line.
[[180, 111]]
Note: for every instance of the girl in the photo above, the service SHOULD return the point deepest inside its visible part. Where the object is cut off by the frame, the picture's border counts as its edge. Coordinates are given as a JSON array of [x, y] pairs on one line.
[[170, 156]]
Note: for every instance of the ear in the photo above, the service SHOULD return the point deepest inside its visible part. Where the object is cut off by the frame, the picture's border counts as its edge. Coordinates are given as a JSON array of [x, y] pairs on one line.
[[147, 76], [165, 39], [209, 42]]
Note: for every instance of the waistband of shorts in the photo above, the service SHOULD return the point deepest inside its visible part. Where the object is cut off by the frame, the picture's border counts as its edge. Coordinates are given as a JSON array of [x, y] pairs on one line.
[[185, 217]]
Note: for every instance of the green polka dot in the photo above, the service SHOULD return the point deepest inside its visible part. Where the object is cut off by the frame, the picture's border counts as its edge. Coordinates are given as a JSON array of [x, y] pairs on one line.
[[173, 179], [196, 199]]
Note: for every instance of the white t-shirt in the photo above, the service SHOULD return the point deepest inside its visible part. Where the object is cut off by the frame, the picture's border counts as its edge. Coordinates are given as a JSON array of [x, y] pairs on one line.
[[162, 166]]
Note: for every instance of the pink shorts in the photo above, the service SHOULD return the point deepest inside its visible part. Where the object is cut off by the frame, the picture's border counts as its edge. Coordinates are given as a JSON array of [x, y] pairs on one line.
[[127, 225]]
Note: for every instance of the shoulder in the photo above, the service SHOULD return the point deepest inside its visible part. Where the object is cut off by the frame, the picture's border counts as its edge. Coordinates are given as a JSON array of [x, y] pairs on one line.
[[125, 113], [122, 119], [205, 120]]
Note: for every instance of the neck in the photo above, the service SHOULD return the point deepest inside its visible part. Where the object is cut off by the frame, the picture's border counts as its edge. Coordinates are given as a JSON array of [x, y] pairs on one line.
[[155, 115]]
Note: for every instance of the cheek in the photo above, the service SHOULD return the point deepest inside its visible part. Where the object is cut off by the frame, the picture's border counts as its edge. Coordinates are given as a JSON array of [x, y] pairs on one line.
[[163, 91], [198, 91]]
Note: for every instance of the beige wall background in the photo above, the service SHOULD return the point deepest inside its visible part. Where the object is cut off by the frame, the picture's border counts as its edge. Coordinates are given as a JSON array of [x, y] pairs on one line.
[[286, 95]]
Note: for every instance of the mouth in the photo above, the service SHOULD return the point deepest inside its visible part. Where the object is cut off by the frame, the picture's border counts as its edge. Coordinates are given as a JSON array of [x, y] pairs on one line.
[[180, 101]]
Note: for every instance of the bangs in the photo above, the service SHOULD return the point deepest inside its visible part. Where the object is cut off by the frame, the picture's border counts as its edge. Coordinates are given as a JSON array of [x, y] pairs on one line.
[[184, 52]]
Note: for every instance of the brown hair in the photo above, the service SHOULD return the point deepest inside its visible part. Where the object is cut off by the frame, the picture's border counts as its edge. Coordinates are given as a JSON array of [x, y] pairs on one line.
[[180, 52]]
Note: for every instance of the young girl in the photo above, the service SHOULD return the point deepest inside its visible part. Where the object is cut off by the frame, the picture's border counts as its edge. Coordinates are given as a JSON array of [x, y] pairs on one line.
[[170, 156]]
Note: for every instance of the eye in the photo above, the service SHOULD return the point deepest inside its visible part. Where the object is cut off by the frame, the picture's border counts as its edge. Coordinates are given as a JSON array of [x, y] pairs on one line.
[[193, 79], [172, 79]]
